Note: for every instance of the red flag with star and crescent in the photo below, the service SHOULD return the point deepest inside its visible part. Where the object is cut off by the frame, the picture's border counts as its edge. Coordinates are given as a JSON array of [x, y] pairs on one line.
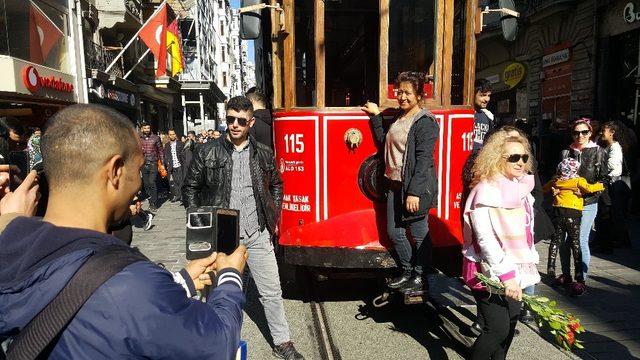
[[154, 34], [43, 34]]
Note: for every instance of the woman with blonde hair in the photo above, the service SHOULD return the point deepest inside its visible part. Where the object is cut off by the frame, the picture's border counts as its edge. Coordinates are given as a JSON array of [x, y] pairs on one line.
[[498, 238]]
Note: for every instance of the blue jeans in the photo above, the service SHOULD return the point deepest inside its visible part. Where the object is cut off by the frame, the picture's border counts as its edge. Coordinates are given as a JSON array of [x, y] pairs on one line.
[[529, 290], [589, 213]]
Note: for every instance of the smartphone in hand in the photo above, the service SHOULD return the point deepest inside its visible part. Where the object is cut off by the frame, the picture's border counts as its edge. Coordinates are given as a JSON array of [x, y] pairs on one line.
[[211, 229], [18, 168]]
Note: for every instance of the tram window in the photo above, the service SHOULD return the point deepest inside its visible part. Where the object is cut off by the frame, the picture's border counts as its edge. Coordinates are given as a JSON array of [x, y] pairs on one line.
[[305, 54], [459, 39], [412, 37], [352, 31]]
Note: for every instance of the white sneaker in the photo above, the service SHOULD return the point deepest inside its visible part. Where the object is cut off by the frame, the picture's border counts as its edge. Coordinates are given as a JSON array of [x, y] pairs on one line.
[[147, 226]]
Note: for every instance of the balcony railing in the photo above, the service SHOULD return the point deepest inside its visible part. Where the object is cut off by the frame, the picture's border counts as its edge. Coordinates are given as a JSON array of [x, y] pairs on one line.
[[99, 57]]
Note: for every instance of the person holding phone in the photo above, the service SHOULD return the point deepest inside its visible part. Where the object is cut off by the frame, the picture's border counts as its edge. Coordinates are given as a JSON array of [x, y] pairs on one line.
[[237, 172], [135, 307]]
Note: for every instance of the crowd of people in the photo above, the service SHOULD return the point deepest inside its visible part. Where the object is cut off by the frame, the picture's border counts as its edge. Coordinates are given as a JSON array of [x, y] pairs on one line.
[[590, 191], [504, 217]]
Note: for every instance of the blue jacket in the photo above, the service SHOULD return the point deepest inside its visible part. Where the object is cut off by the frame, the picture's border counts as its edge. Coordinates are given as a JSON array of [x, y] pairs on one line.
[[138, 313]]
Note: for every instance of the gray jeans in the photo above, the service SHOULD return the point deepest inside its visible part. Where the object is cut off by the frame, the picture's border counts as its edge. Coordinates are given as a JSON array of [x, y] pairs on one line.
[[264, 270]]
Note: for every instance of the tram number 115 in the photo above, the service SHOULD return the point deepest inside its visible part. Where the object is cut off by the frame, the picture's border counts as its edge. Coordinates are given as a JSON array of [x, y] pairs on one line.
[[293, 143]]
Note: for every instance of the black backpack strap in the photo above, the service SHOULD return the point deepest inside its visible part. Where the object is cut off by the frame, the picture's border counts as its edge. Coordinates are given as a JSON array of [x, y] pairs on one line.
[[53, 319]]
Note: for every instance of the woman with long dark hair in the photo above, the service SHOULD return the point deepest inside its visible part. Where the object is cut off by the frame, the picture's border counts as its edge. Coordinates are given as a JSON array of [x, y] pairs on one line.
[[615, 202], [410, 178]]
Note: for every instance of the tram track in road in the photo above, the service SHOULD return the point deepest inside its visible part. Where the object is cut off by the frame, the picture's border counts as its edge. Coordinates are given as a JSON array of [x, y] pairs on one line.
[[321, 329], [326, 345]]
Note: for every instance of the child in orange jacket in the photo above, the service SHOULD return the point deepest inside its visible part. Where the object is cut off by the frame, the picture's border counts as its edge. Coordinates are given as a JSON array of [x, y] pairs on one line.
[[567, 207]]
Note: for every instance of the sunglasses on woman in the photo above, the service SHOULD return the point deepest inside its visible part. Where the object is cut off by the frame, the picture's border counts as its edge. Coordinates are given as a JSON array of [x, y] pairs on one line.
[[581, 132], [241, 121], [514, 158]]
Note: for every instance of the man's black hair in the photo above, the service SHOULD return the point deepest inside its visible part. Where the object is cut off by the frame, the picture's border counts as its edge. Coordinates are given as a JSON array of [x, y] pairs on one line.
[[255, 94], [209, 130], [191, 132], [239, 103], [79, 139], [482, 85], [144, 123]]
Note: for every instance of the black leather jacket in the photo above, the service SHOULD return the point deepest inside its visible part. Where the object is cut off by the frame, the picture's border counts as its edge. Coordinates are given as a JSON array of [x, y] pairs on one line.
[[208, 180], [591, 167]]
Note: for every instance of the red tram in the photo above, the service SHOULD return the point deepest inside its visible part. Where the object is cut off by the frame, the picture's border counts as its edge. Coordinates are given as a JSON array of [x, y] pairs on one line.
[[319, 60]]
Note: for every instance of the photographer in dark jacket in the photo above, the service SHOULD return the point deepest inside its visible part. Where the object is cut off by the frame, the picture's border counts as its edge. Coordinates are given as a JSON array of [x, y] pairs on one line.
[[140, 312], [235, 171], [410, 175]]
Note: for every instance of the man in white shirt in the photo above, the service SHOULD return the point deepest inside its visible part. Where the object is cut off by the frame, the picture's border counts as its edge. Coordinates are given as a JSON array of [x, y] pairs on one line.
[[174, 163]]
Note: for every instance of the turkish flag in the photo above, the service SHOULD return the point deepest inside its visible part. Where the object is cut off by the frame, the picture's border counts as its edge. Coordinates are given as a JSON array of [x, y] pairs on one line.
[[43, 34], [154, 34]]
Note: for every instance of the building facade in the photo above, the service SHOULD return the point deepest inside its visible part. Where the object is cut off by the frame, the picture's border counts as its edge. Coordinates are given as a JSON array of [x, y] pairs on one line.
[[547, 76], [37, 57], [212, 71]]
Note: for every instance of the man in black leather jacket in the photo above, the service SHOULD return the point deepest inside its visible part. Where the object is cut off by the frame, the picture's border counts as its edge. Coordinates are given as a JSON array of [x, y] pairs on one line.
[[235, 171]]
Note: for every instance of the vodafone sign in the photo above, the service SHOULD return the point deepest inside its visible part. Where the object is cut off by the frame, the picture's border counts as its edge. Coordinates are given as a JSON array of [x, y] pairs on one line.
[[34, 82]]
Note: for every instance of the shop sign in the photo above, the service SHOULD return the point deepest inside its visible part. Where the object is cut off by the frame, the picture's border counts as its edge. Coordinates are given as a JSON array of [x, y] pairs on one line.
[[34, 82], [630, 14], [116, 95], [556, 58], [513, 74]]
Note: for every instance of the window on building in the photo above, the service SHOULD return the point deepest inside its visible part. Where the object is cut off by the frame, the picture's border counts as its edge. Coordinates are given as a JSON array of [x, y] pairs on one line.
[[51, 49], [351, 52], [224, 54], [221, 4], [221, 28], [224, 79]]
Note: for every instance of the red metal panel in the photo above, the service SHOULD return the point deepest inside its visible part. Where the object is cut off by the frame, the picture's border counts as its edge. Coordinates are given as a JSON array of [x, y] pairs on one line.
[[343, 216]]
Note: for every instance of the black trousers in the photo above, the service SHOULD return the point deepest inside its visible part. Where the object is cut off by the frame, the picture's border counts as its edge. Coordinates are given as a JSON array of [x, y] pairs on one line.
[[149, 178], [566, 236], [500, 315], [176, 181]]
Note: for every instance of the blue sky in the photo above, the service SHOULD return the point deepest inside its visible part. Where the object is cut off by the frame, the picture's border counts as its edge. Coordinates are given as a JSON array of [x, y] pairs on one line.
[[236, 4]]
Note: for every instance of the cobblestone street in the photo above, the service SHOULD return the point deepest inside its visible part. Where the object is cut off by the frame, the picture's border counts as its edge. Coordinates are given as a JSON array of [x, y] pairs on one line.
[[608, 310]]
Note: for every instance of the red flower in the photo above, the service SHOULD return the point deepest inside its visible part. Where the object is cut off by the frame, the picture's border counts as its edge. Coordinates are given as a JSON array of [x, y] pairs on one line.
[[570, 338], [574, 326]]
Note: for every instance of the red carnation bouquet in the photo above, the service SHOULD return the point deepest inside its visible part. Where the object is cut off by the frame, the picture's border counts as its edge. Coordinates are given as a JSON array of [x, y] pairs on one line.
[[562, 325]]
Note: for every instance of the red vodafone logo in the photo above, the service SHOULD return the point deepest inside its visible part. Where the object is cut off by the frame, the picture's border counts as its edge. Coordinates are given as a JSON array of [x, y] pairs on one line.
[[33, 81], [31, 78]]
